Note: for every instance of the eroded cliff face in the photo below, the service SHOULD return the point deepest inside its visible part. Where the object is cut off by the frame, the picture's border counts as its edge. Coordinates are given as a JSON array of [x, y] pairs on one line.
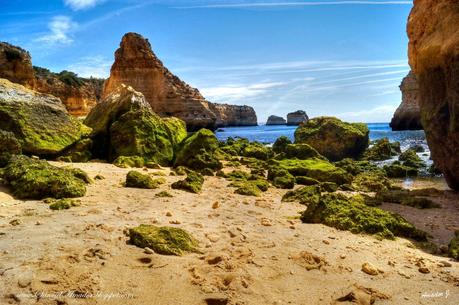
[[408, 114], [276, 120], [136, 65], [297, 117], [433, 30], [79, 95], [233, 115]]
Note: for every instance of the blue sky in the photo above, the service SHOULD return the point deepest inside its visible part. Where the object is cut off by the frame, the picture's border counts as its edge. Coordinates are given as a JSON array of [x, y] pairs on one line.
[[343, 58]]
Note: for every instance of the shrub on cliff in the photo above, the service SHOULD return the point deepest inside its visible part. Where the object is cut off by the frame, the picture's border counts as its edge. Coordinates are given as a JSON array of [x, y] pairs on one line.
[[352, 214], [37, 179], [334, 138]]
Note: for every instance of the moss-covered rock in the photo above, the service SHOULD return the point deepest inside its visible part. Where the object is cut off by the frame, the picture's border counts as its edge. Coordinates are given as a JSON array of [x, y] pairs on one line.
[[302, 180], [318, 169], [381, 150], [411, 159], [373, 181], [182, 170], [246, 188], [304, 195], [129, 161], [192, 183], [352, 214], [37, 179], [124, 124], [234, 147], [281, 178], [328, 187], [453, 246], [280, 144], [78, 152], [301, 151], [334, 138], [354, 167], [39, 122], [142, 181], [198, 151], [62, 204], [406, 197], [164, 194], [9, 146], [397, 170], [257, 150], [163, 240]]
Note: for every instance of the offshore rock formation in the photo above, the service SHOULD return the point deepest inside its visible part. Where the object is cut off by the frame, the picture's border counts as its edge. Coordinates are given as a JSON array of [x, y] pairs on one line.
[[79, 95], [39, 122], [137, 66], [297, 117], [233, 115], [433, 30], [275, 120], [408, 115]]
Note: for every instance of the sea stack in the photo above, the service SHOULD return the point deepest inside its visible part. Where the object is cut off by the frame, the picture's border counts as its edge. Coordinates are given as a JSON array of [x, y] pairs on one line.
[[433, 31], [408, 115], [234, 115], [297, 117], [275, 120], [137, 66]]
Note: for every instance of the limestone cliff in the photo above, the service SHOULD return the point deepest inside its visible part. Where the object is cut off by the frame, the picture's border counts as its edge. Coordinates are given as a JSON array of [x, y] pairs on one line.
[[408, 115], [276, 120], [233, 115], [433, 30], [136, 65], [78, 94], [297, 117]]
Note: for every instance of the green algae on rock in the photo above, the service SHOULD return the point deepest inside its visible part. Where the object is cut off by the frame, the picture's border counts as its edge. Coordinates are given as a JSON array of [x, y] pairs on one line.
[[411, 159], [143, 181], [354, 167], [9, 147], [164, 194], [280, 144], [373, 181], [352, 214], [382, 150], [124, 125], [304, 195], [62, 204], [39, 122], [129, 161], [37, 179], [257, 150], [198, 151], [192, 183], [163, 240], [334, 138], [453, 246], [281, 178], [301, 151], [406, 197], [397, 170], [78, 152]]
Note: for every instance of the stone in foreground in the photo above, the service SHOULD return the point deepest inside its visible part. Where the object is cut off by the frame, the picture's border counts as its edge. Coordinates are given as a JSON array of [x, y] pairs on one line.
[[163, 240]]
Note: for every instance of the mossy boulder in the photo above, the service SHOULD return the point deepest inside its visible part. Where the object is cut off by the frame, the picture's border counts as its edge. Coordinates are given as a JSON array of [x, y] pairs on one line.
[[304, 195], [192, 183], [78, 152], [409, 158], [9, 146], [234, 147], [453, 246], [198, 151], [62, 204], [281, 178], [257, 150], [319, 169], [355, 167], [37, 179], [143, 181], [163, 240], [124, 124], [330, 187], [301, 151], [334, 138], [302, 180], [373, 181], [280, 144], [129, 161], [352, 214], [39, 122], [397, 170], [382, 150], [406, 197]]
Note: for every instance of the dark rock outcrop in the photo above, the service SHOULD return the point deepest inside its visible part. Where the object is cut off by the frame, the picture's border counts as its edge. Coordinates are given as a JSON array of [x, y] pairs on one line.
[[40, 122], [297, 117], [408, 115], [275, 120], [78, 94], [433, 30], [137, 66], [334, 138], [233, 115]]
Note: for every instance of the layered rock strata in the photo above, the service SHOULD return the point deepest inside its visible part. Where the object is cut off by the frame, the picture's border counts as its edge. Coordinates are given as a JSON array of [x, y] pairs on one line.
[[408, 114], [233, 115]]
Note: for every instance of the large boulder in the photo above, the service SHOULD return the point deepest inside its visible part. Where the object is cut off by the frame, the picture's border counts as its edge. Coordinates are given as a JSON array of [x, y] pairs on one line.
[[9, 147], [124, 125], [334, 138], [39, 122], [433, 30], [408, 115]]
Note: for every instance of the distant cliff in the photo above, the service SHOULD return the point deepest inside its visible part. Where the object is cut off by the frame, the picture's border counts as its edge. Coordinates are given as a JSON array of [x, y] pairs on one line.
[[408, 114], [78, 94], [233, 115], [297, 117], [276, 120]]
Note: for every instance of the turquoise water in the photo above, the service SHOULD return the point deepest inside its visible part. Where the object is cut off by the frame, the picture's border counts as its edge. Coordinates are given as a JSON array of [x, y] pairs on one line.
[[269, 134]]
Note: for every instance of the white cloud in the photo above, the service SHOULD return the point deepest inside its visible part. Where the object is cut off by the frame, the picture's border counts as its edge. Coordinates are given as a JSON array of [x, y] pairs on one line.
[[236, 92], [292, 4], [95, 66], [77, 5], [377, 114], [60, 28]]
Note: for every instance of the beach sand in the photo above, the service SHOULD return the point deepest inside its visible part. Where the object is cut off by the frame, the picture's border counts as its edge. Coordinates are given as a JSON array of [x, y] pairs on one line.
[[255, 250]]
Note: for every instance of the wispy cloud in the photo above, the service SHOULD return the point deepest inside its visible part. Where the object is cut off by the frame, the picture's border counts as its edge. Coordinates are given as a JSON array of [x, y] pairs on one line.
[[60, 28], [377, 114], [237, 92], [292, 4], [77, 5], [91, 66]]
